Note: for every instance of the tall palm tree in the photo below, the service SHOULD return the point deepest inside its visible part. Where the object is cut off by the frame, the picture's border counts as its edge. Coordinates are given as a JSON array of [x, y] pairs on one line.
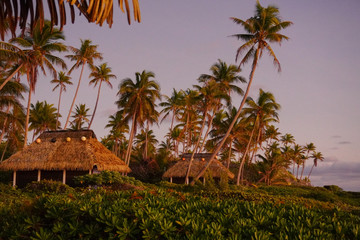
[[209, 93], [42, 117], [61, 81], [172, 104], [40, 44], [310, 147], [83, 56], [316, 156], [264, 109], [19, 12], [100, 74], [226, 76], [189, 115], [221, 125], [137, 99], [80, 116], [261, 29], [119, 128]]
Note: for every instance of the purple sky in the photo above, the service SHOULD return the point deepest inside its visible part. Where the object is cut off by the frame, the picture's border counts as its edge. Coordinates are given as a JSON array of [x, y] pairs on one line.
[[179, 40]]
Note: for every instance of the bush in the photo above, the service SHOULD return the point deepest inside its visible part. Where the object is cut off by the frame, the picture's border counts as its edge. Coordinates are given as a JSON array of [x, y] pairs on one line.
[[48, 186], [333, 188], [106, 178]]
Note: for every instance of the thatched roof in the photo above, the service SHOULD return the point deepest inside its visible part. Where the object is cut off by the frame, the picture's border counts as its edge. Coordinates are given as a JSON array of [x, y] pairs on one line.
[[179, 169], [58, 150]]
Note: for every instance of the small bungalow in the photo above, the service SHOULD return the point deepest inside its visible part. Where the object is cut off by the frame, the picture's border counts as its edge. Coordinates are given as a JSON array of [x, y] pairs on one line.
[[60, 156], [177, 172]]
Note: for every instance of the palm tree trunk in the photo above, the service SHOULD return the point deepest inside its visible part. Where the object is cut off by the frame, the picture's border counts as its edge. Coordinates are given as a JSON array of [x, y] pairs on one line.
[[311, 171], [256, 144], [96, 104], [10, 76], [146, 140], [186, 139], [5, 121], [128, 151], [195, 148], [27, 114], [234, 120], [302, 170], [58, 112], [244, 156], [297, 171], [76, 92], [207, 131], [172, 121], [229, 158]]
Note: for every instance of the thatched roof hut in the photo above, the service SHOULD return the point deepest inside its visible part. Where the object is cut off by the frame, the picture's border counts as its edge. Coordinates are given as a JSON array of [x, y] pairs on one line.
[[65, 150], [178, 171]]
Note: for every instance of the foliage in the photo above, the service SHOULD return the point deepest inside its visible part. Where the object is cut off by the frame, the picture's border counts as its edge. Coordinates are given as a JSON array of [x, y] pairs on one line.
[[48, 186], [106, 178], [164, 213]]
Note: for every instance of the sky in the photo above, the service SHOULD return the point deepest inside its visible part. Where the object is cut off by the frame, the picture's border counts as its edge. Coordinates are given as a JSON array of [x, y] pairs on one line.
[[179, 40]]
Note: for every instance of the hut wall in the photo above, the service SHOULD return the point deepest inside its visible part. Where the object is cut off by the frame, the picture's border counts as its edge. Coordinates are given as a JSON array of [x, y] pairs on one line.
[[25, 177], [52, 175], [71, 174]]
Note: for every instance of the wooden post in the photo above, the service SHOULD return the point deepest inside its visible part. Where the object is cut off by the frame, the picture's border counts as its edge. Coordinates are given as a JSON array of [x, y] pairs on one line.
[[171, 179], [39, 175], [14, 179], [203, 180], [90, 171], [64, 176]]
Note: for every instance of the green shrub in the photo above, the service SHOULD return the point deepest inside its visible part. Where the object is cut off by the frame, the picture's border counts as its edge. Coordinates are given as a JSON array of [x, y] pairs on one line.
[[47, 186], [333, 188], [106, 178]]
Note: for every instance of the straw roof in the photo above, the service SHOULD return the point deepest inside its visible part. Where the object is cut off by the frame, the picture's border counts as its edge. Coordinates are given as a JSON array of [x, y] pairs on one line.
[[180, 168], [66, 149]]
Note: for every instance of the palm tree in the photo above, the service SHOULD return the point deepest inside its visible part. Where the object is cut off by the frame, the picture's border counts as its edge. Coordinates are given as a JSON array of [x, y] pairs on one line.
[[221, 124], [287, 139], [189, 115], [15, 57], [272, 162], [172, 104], [137, 99], [316, 156], [61, 81], [10, 103], [23, 12], [146, 139], [209, 93], [42, 117], [264, 110], [100, 74], [271, 134], [297, 155], [83, 56], [261, 29], [39, 45], [118, 127], [80, 117], [310, 147], [226, 76]]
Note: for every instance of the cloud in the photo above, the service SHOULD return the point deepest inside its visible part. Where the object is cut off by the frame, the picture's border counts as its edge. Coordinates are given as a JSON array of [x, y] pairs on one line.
[[333, 172], [344, 142], [336, 136]]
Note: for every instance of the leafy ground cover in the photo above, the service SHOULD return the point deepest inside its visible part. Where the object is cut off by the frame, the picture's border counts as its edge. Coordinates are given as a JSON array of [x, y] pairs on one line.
[[48, 210]]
